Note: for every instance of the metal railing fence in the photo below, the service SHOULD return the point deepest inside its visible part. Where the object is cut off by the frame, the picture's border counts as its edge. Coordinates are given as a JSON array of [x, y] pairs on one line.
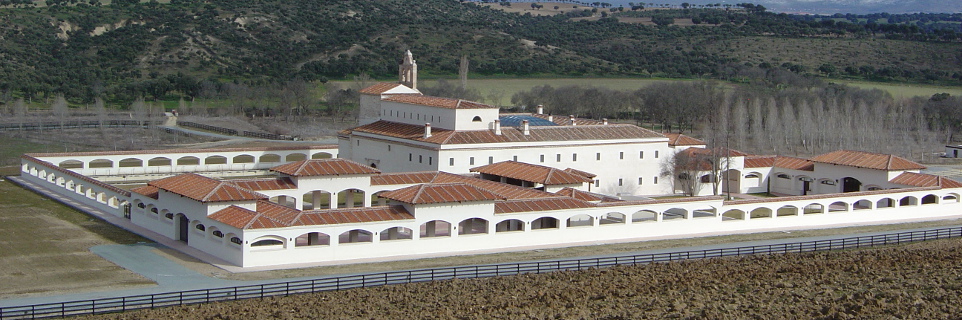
[[120, 304]]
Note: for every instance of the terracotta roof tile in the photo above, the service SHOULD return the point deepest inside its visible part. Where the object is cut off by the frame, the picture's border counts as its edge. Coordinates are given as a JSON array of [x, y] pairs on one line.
[[323, 167], [794, 163], [353, 215], [403, 178], [678, 139], [861, 159], [759, 161], [379, 88], [439, 102], [925, 180], [531, 172], [81, 177], [588, 175], [265, 184], [204, 189], [546, 204], [272, 215], [658, 201], [537, 134], [440, 193], [234, 216], [148, 191], [584, 195]]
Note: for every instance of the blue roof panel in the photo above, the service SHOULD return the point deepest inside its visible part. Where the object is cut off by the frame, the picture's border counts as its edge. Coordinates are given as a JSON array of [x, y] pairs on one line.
[[515, 121]]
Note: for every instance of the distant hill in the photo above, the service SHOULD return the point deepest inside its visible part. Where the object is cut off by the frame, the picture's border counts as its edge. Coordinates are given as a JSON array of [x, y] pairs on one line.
[[837, 6], [131, 49]]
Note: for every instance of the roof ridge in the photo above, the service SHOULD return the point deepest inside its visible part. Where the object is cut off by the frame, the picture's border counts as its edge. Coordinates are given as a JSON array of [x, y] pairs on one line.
[[888, 165]]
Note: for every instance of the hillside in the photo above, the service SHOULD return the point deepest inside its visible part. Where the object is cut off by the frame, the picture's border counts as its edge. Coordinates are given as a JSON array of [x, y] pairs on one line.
[[125, 50]]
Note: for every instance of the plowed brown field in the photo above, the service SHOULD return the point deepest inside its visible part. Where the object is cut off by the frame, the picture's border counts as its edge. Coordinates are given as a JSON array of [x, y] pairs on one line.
[[918, 281]]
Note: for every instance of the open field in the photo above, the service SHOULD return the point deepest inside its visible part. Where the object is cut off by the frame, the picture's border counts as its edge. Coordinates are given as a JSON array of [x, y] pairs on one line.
[[916, 281], [45, 247], [499, 91]]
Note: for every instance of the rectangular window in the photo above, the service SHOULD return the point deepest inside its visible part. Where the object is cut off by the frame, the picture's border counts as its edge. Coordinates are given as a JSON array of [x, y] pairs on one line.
[[621, 155], [358, 142], [621, 182], [598, 156], [490, 160], [641, 155], [471, 161], [558, 158], [410, 157], [639, 181], [574, 157], [597, 183], [389, 148], [420, 159], [451, 162], [542, 158], [430, 161], [656, 154], [656, 180], [515, 158]]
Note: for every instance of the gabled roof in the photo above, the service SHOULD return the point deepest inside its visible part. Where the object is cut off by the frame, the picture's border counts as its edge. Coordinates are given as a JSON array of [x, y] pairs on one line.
[[759, 161], [532, 173], [925, 180], [204, 189], [272, 215], [721, 152], [387, 88], [678, 139], [148, 191], [794, 163], [588, 175], [440, 193], [869, 160], [504, 190], [265, 184], [584, 195], [323, 167], [447, 103], [508, 134]]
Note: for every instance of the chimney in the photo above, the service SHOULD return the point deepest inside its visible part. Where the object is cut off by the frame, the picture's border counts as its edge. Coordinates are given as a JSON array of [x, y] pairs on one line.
[[427, 130], [540, 109], [571, 120], [525, 128], [604, 121], [497, 127], [550, 118]]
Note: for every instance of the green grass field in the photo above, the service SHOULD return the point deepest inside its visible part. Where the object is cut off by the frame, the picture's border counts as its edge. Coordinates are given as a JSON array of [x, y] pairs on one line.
[[499, 91]]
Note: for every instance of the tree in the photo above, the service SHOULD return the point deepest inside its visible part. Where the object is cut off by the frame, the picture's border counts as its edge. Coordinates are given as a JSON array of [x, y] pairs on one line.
[[686, 169]]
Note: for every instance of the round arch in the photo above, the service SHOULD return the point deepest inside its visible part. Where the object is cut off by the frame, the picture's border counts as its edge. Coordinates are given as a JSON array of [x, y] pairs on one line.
[[473, 226], [759, 213], [733, 215], [100, 163], [643, 216], [612, 218], [269, 241], [269, 157], [814, 208], [397, 233], [786, 211], [355, 236], [675, 213], [244, 158], [544, 223], [885, 203], [295, 157], [71, 164], [435, 228], [510, 225], [310, 239], [580, 220], [215, 160], [322, 155], [188, 161], [159, 162]]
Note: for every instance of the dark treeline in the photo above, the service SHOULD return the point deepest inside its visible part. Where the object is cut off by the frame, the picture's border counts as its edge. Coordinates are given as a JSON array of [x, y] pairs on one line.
[[799, 120]]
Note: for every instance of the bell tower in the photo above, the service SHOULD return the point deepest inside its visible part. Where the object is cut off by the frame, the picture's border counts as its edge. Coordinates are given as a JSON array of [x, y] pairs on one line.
[[408, 71]]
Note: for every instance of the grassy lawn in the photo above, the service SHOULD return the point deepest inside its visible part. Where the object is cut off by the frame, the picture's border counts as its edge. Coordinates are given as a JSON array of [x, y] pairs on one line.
[[45, 247]]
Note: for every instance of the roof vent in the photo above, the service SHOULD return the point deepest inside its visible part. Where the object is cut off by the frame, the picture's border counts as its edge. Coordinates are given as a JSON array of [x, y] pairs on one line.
[[604, 121], [540, 109], [427, 130], [497, 127], [571, 120], [525, 128]]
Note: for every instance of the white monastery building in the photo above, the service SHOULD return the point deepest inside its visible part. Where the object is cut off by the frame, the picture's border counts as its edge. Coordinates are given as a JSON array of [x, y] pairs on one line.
[[428, 176]]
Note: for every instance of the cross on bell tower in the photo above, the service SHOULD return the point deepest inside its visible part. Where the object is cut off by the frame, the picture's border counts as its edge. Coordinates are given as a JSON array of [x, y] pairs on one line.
[[408, 71]]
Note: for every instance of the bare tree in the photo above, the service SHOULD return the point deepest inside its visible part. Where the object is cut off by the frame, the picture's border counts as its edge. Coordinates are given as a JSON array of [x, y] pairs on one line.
[[463, 71], [685, 169], [100, 109], [139, 110]]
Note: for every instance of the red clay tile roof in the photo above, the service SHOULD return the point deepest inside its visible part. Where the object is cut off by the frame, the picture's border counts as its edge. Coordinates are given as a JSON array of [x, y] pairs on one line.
[[148, 191], [440, 193], [379, 88], [323, 167], [272, 215], [722, 152], [759, 161], [828, 196], [531, 172], [205, 189], [861, 159], [265, 184], [529, 205], [794, 163], [658, 201], [439, 102], [508, 134], [81, 177], [588, 175], [504, 190], [584, 195], [678, 139], [925, 180]]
